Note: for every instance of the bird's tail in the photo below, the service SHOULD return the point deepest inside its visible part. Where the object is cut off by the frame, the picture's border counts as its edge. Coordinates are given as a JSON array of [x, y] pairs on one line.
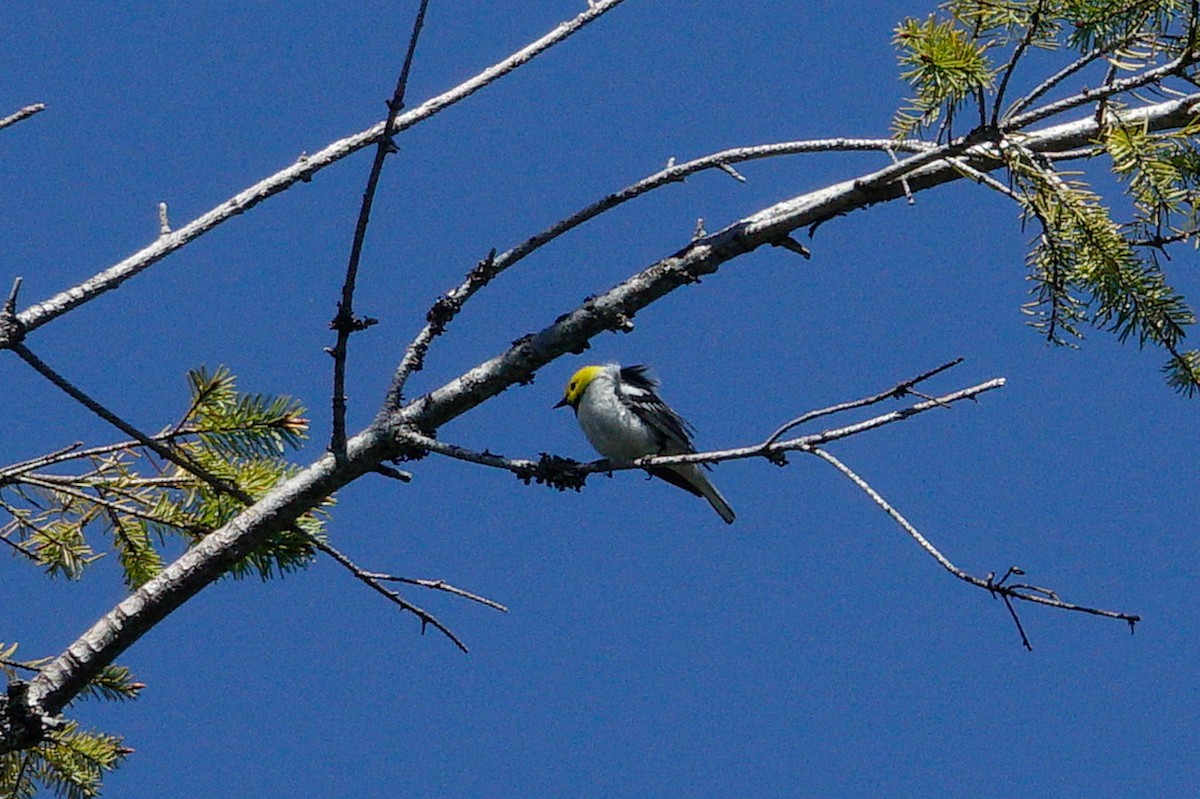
[[691, 478]]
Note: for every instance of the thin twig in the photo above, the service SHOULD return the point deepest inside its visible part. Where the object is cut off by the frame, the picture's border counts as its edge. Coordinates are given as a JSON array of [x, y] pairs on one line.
[[895, 392], [175, 457], [1058, 77], [1018, 51], [427, 618], [424, 442], [803, 443], [444, 309], [908, 195], [437, 585], [345, 322], [39, 462], [1006, 591], [11, 328], [301, 171], [22, 114], [72, 452], [71, 491], [985, 179], [1017, 122], [771, 449]]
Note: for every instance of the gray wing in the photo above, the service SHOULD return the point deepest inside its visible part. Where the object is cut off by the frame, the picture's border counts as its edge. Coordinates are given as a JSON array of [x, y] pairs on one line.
[[640, 391]]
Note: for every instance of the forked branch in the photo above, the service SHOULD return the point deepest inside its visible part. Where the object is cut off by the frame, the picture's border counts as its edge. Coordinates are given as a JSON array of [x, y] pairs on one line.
[[376, 580], [1001, 588], [563, 473], [301, 171]]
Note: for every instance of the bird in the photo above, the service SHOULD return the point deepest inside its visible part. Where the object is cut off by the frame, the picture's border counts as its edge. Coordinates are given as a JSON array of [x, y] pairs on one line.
[[624, 418]]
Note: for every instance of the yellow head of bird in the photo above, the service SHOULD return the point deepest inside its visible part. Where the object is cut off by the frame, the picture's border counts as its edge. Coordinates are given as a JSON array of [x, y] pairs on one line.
[[578, 384]]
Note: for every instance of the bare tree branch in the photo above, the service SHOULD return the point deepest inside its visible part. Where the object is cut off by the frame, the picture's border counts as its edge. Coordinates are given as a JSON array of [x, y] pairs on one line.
[[1006, 71], [772, 448], [1057, 78], [305, 167], [345, 322], [895, 392], [22, 114], [450, 303], [373, 580], [1025, 593], [384, 439], [1019, 121]]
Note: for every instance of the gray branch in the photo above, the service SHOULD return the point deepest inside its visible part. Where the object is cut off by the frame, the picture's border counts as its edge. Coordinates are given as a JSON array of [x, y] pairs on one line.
[[384, 440]]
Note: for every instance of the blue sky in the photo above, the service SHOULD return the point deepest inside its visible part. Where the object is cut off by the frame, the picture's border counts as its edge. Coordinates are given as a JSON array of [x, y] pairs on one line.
[[810, 649]]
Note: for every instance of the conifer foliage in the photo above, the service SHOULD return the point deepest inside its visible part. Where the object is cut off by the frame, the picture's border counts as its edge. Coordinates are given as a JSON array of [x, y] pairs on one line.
[[985, 78], [1095, 262]]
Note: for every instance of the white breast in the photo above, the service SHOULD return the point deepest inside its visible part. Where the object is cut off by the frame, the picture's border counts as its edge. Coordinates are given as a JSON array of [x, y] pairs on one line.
[[612, 428]]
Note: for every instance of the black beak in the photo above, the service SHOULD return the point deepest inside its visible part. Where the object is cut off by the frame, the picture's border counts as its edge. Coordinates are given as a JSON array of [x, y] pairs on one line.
[[562, 403]]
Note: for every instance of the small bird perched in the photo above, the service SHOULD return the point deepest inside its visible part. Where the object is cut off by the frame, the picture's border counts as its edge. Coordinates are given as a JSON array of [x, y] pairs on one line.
[[624, 419]]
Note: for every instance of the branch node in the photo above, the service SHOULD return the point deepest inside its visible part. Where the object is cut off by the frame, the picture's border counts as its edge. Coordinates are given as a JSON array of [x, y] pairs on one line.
[[733, 173], [395, 474], [22, 723], [349, 323], [10, 305], [11, 329], [164, 224], [551, 470], [788, 243], [908, 195]]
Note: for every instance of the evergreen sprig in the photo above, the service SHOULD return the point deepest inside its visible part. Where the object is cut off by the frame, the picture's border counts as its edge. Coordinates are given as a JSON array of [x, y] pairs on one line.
[[1087, 268], [945, 64], [128, 495], [71, 761], [1103, 23], [1000, 23]]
